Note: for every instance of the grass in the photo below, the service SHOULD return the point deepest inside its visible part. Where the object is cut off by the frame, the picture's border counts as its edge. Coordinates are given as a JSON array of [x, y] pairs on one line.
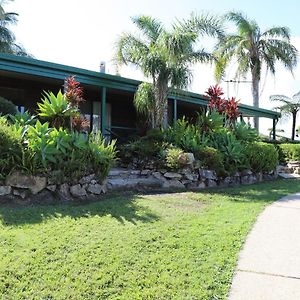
[[166, 246]]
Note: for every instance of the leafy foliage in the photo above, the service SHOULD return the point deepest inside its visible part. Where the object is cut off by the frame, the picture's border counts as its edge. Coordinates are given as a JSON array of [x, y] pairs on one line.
[[22, 119], [227, 108], [232, 149], [7, 38], [174, 158], [210, 122], [7, 107], [144, 101], [245, 133], [165, 56], [211, 159], [10, 148], [56, 109], [289, 152], [261, 157], [185, 136]]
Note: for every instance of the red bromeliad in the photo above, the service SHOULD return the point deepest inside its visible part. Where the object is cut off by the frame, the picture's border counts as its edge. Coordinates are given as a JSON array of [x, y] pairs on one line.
[[73, 91], [216, 101], [232, 111], [227, 107]]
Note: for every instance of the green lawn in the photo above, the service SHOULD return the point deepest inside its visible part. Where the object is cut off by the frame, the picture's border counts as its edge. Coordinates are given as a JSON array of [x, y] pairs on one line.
[[168, 246]]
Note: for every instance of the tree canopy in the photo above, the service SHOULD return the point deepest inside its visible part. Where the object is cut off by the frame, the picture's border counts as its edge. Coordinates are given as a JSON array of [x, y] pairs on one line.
[[165, 56], [252, 49]]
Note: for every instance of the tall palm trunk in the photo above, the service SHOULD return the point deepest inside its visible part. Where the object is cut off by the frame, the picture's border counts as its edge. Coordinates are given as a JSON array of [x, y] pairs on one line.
[[161, 103], [255, 95], [294, 124]]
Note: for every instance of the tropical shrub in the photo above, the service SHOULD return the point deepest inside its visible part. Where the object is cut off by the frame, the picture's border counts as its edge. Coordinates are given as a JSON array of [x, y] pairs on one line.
[[141, 151], [74, 154], [244, 132], [56, 110], [7, 107], [102, 154], [22, 119], [260, 157], [289, 152], [175, 158], [210, 158], [11, 152], [185, 136], [231, 148], [210, 122]]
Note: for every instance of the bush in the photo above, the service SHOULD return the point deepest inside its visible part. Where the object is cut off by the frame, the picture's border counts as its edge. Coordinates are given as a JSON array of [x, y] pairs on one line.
[[185, 136], [231, 148], [10, 148], [74, 154], [210, 158], [7, 107], [244, 133], [102, 155], [145, 149], [288, 152], [175, 158], [260, 157]]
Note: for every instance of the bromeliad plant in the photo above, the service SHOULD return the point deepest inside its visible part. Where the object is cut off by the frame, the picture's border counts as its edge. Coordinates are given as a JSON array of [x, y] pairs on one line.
[[56, 109], [62, 110], [227, 108]]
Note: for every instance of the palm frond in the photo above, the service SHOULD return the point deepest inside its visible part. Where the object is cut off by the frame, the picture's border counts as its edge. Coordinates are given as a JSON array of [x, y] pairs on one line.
[[208, 25], [245, 26], [276, 32], [150, 27]]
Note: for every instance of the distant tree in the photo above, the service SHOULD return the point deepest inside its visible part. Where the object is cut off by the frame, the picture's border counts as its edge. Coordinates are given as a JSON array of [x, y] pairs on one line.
[[252, 49], [7, 38], [165, 57], [290, 106]]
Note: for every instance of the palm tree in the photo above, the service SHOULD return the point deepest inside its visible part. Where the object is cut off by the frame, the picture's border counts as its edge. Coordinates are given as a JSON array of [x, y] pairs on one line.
[[7, 38], [290, 106], [254, 49], [165, 57]]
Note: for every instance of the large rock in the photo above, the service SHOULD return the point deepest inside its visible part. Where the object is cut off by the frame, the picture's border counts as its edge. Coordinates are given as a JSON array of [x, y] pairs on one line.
[[115, 184], [176, 184], [23, 193], [208, 174], [77, 191], [125, 184], [158, 176], [5, 190], [211, 183], [87, 179], [34, 183], [250, 179], [51, 187], [96, 189], [172, 175], [145, 172], [118, 172], [64, 192]]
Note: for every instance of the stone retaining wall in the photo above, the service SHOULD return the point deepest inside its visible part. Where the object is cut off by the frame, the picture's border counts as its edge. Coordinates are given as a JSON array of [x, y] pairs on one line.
[[124, 179], [40, 189]]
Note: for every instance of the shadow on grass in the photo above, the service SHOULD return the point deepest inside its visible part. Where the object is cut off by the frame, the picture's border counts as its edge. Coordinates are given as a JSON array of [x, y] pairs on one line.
[[123, 208]]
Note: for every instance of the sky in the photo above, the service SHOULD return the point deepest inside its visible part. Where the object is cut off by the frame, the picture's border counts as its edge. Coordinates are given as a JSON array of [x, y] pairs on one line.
[[84, 33]]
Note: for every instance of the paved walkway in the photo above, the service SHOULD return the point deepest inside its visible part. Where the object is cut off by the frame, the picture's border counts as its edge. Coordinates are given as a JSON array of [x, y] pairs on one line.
[[269, 264]]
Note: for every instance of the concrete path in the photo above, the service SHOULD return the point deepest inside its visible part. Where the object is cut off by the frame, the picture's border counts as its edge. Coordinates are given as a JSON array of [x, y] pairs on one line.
[[269, 264]]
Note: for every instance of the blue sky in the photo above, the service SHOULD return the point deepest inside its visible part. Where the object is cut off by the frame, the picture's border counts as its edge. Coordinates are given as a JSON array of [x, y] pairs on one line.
[[83, 33]]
